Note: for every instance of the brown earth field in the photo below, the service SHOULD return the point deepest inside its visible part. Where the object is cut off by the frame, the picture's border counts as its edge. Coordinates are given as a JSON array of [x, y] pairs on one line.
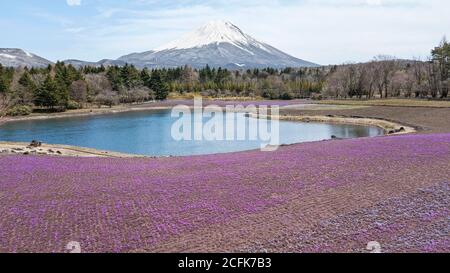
[[424, 119]]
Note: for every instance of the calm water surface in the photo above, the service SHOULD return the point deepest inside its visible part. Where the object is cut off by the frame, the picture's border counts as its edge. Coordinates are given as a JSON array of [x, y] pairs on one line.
[[149, 133]]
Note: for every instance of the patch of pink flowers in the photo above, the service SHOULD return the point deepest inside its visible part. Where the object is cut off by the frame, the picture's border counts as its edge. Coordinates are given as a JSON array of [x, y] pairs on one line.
[[124, 205]]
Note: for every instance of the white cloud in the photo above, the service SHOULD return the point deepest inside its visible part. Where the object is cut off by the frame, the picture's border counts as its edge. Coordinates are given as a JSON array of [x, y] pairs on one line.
[[73, 2]]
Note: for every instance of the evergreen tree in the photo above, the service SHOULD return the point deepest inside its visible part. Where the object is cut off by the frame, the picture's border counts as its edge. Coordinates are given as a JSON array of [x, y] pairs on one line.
[[33, 71], [441, 57], [66, 75], [24, 92], [113, 74], [46, 95], [49, 68], [129, 76], [145, 77], [6, 76], [158, 85], [62, 96], [3, 86], [26, 81]]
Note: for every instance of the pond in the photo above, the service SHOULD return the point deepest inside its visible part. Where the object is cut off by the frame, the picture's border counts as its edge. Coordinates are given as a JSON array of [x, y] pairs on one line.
[[149, 133]]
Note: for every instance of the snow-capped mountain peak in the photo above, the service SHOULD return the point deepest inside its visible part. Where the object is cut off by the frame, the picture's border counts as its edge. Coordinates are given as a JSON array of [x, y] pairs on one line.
[[214, 32], [217, 44]]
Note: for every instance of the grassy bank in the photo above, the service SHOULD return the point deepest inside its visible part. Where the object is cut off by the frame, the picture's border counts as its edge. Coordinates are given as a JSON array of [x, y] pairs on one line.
[[391, 102]]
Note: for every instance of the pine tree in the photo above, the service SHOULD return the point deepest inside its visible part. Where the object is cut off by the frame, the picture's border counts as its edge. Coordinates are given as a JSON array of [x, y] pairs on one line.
[[145, 77], [24, 92], [158, 85], [130, 76], [441, 57], [26, 81], [113, 74], [46, 95], [6, 75], [3, 86]]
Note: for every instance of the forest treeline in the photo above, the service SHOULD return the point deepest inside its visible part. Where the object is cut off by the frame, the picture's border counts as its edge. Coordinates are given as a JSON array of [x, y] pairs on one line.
[[61, 87]]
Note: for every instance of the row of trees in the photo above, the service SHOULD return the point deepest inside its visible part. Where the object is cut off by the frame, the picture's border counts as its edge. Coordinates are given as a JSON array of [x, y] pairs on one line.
[[386, 76], [60, 87]]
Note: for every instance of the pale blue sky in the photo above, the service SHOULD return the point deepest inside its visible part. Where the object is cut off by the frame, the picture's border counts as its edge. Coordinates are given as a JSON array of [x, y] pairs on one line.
[[322, 31]]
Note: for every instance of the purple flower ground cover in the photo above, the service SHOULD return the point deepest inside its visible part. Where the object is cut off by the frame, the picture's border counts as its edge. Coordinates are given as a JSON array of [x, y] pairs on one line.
[[316, 197]]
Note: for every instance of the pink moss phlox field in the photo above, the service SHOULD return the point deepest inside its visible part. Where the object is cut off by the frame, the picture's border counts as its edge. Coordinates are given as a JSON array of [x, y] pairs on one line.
[[126, 205]]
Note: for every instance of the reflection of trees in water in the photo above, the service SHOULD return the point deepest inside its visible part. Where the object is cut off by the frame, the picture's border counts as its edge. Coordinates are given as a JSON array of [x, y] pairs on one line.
[[353, 131]]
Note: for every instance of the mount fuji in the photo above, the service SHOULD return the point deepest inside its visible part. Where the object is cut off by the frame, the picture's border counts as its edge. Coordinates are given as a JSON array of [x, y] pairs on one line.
[[218, 43]]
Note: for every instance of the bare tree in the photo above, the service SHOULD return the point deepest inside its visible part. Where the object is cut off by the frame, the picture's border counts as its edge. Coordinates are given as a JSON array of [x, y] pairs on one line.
[[78, 91], [5, 104], [409, 84], [97, 83], [138, 94], [371, 79], [399, 84], [189, 75], [387, 66], [361, 82], [418, 69], [107, 97], [338, 83], [434, 78]]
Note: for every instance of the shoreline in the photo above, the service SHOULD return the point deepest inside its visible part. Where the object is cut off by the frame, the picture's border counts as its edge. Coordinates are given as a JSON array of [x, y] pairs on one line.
[[8, 148], [82, 113], [390, 128], [123, 108], [22, 148]]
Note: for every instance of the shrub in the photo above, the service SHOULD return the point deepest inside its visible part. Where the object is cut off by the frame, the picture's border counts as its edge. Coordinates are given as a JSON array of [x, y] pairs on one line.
[[108, 98], [286, 96], [19, 110], [269, 94], [73, 105], [316, 96]]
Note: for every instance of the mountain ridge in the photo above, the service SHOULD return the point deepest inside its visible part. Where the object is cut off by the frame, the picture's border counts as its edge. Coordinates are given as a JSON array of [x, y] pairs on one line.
[[15, 57], [217, 44]]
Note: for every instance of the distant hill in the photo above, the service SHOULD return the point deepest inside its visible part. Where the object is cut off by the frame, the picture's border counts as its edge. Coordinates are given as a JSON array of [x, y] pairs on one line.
[[14, 57], [105, 62]]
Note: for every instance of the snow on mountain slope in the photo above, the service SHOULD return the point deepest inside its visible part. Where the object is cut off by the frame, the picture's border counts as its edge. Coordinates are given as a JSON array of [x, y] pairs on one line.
[[14, 57], [214, 32], [218, 43], [4, 55], [104, 62]]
